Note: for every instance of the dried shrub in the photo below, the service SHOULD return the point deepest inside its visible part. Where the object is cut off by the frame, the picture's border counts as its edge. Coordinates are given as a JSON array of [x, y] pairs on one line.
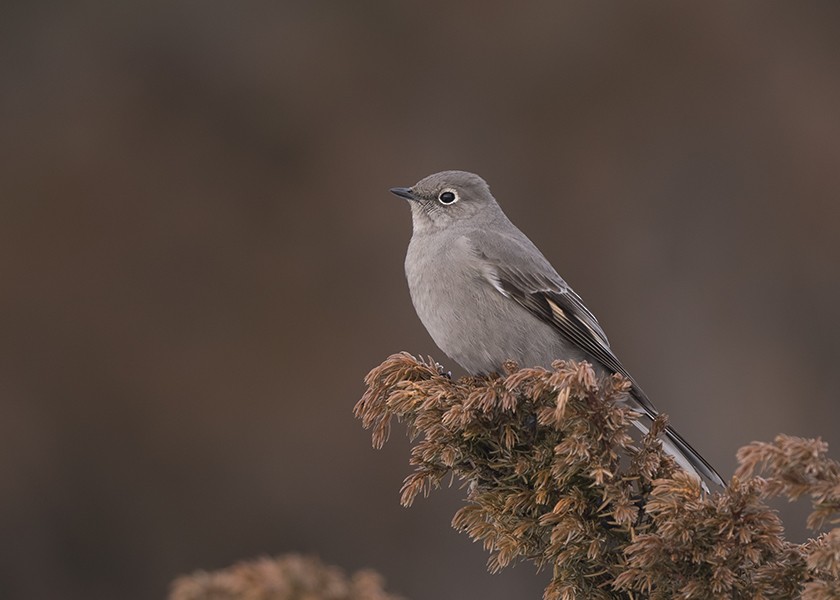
[[554, 476], [288, 577], [796, 467]]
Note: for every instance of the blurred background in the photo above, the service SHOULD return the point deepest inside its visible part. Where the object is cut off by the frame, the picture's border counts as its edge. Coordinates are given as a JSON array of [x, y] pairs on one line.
[[200, 259]]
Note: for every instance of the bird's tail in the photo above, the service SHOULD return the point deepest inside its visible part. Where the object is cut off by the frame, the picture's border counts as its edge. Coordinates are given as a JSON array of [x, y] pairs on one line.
[[677, 447], [672, 442], [686, 457]]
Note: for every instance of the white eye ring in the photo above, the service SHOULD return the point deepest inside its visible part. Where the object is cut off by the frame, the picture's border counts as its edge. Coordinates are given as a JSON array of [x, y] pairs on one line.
[[448, 196]]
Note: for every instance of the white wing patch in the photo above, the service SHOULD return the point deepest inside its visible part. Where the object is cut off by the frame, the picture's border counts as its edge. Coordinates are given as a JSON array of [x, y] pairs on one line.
[[485, 268], [493, 277]]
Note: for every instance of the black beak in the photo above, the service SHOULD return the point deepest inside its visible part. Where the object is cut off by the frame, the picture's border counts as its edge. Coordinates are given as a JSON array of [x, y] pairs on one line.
[[404, 193]]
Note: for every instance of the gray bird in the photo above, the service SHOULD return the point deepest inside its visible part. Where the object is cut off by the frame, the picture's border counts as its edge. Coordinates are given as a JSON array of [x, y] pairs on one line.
[[486, 295]]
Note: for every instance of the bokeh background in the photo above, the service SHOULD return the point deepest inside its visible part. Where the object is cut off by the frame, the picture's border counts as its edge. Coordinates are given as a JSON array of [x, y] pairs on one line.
[[200, 260]]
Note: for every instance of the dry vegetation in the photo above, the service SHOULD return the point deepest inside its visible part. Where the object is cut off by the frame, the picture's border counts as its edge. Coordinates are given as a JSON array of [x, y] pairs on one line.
[[553, 476], [289, 577]]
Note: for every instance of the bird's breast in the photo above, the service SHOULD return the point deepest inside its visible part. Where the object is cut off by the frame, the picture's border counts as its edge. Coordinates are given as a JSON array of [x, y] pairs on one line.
[[441, 283], [466, 316]]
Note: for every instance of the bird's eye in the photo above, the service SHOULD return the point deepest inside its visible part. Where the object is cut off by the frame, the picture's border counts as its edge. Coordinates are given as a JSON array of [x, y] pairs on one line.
[[448, 197]]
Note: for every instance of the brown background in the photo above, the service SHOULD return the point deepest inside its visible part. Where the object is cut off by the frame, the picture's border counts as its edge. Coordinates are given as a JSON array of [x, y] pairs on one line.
[[200, 260]]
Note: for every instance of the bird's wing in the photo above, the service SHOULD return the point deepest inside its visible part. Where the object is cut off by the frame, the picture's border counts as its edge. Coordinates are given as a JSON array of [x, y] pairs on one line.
[[563, 309], [514, 266]]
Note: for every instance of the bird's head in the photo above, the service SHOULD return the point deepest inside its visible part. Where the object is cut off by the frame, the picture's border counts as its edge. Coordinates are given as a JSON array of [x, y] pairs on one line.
[[443, 199]]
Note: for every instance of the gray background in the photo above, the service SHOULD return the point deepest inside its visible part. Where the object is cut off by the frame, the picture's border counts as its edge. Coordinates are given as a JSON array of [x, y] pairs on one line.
[[200, 260]]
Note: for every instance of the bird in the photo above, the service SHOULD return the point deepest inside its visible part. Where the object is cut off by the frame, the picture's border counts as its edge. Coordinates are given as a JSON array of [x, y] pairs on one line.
[[487, 295]]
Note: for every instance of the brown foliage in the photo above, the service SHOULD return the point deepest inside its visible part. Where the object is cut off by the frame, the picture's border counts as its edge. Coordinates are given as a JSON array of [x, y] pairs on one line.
[[797, 467], [554, 476], [289, 577]]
